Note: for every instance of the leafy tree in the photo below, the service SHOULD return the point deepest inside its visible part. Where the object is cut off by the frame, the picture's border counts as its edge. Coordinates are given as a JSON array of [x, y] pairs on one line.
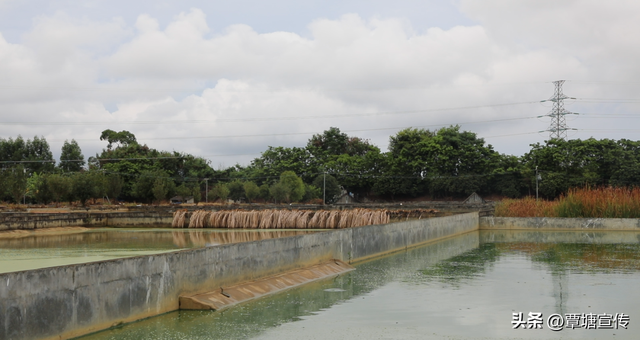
[[71, 158], [220, 191], [4, 183], [114, 184], [294, 186], [311, 192], [17, 183], [275, 161], [279, 191], [131, 159], [264, 192], [38, 188], [123, 138], [328, 186], [38, 150], [60, 187], [183, 190], [35, 153], [197, 195], [143, 189], [88, 184], [236, 190], [443, 162], [160, 189], [251, 190], [332, 142]]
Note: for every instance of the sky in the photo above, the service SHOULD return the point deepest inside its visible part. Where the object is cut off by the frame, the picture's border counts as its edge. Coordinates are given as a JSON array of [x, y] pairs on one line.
[[224, 80]]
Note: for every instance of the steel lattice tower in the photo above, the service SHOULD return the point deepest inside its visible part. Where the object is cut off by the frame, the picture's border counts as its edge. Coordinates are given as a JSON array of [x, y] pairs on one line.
[[558, 127]]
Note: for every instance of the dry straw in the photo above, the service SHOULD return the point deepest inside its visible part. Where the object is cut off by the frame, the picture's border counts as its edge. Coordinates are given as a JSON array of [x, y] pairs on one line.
[[280, 219]]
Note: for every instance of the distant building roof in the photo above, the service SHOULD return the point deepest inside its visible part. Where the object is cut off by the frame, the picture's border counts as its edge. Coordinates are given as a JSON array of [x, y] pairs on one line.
[[474, 199]]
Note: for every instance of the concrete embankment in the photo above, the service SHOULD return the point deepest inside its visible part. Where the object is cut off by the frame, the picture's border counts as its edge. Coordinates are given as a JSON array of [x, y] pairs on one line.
[[163, 215], [67, 301], [557, 223], [558, 236], [29, 221]]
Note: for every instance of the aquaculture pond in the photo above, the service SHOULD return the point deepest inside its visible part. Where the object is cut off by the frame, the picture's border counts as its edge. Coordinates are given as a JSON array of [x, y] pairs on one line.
[[47, 249], [469, 287]]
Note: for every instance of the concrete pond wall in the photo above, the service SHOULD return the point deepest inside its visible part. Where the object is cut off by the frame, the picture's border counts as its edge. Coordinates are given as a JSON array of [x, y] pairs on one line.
[[559, 223], [29, 221], [163, 215], [66, 301]]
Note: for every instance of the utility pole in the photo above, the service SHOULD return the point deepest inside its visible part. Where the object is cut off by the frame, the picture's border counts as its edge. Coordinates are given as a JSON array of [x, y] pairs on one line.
[[206, 190], [324, 187], [537, 178], [558, 127]]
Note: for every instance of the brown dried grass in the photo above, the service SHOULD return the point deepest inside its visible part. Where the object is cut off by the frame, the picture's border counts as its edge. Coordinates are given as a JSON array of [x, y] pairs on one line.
[[281, 219], [179, 218]]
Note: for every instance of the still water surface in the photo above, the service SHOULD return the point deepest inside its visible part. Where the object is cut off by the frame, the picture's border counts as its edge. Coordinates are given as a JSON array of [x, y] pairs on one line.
[[57, 249], [461, 288]]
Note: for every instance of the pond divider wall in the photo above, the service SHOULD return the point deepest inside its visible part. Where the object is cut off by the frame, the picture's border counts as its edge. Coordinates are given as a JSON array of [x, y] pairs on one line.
[[29, 221], [67, 301], [163, 215], [559, 223]]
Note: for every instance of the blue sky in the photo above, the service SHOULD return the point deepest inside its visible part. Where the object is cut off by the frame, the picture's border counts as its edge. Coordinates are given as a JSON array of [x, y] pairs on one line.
[[225, 80]]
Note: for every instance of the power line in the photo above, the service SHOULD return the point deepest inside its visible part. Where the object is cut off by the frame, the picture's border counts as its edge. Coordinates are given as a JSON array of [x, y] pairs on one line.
[[253, 119], [312, 133]]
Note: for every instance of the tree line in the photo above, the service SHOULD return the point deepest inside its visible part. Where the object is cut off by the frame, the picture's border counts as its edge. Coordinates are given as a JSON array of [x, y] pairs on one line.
[[443, 163]]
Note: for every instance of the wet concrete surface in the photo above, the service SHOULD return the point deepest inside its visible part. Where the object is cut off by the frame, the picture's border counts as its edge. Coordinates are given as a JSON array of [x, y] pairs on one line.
[[466, 287], [49, 249]]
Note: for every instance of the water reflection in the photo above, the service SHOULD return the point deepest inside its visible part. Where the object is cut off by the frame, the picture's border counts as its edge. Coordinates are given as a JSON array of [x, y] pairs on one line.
[[55, 249], [463, 288]]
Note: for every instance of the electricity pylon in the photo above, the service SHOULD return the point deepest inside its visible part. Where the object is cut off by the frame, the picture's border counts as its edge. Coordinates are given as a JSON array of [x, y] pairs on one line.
[[558, 127]]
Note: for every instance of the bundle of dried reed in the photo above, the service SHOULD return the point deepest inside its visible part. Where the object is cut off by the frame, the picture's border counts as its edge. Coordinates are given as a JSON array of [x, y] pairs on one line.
[[303, 220], [178, 218], [332, 220], [266, 219], [283, 219], [198, 219], [254, 219]]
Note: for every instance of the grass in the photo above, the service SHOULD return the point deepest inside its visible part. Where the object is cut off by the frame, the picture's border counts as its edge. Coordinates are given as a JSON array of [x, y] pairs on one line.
[[603, 202]]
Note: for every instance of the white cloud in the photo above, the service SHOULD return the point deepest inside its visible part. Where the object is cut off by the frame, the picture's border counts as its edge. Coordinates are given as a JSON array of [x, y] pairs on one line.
[[68, 69]]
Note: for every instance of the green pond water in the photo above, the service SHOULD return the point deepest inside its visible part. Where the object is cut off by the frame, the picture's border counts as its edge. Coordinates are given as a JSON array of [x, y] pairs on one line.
[[63, 248], [467, 287]]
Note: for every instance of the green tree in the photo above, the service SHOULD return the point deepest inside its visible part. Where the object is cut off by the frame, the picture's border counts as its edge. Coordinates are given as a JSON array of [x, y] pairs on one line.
[[71, 158], [294, 186], [236, 190], [251, 190], [35, 153], [219, 191], [88, 184], [4, 184], [114, 184], [183, 190], [38, 151], [160, 189], [60, 187], [38, 188], [196, 193], [143, 189], [17, 179], [275, 161], [264, 192], [123, 138], [311, 192], [446, 162], [328, 186], [279, 192]]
